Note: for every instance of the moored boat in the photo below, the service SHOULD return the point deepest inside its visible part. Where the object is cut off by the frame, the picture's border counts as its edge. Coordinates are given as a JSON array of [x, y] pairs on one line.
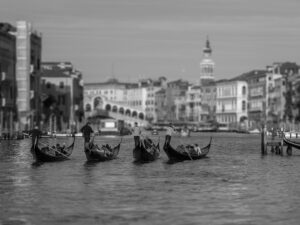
[[181, 153], [291, 143], [47, 153], [146, 151]]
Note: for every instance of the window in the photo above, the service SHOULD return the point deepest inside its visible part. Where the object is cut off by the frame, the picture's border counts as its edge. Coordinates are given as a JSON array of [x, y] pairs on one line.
[[243, 105], [48, 85], [244, 90], [61, 84]]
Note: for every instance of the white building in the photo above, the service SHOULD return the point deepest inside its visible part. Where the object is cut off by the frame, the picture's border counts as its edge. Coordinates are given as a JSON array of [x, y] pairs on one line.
[[193, 103], [136, 97], [231, 101]]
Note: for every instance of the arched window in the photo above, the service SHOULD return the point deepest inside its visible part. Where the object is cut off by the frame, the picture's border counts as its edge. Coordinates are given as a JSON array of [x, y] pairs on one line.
[[134, 114], [115, 108], [141, 116], [243, 105], [98, 103], [244, 90], [127, 112], [88, 108], [121, 110], [108, 107]]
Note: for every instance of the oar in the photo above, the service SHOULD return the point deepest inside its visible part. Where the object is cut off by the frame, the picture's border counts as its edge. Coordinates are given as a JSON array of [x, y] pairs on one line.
[[54, 150]]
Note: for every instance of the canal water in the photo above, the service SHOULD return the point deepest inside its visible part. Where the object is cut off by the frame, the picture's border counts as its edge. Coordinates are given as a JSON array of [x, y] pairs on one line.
[[234, 185]]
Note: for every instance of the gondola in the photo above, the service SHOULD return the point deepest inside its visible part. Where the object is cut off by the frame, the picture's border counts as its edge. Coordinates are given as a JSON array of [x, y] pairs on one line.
[[183, 154], [51, 154], [291, 143], [146, 151], [94, 153]]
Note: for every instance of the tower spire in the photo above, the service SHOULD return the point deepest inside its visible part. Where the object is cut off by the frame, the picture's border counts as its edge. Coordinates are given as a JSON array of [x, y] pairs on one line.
[[207, 48], [207, 64]]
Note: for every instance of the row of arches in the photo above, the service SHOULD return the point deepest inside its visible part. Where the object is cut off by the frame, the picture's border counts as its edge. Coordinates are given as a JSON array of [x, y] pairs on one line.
[[121, 110], [124, 111]]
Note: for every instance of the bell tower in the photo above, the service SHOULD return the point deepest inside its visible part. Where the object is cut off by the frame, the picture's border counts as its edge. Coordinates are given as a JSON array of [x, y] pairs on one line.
[[207, 65]]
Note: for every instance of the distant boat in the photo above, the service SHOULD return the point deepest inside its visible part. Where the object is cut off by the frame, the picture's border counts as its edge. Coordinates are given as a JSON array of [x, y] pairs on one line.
[[254, 131], [185, 133]]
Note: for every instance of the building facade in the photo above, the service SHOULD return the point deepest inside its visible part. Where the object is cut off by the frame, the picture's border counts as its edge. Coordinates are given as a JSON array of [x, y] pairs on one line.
[[62, 95], [257, 97], [175, 91], [231, 103], [193, 104], [8, 88], [29, 54]]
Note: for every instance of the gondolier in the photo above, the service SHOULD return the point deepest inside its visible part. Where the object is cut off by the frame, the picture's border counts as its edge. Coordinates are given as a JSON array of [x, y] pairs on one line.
[[136, 132], [35, 135], [86, 132], [170, 131]]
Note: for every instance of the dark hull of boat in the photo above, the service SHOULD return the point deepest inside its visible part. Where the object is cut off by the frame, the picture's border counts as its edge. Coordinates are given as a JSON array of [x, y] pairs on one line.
[[43, 155], [174, 155], [93, 155], [141, 154], [291, 143]]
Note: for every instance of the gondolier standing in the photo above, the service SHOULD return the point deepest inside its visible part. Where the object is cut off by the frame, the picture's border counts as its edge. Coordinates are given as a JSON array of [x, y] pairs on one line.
[[170, 131], [86, 133], [136, 132], [35, 135]]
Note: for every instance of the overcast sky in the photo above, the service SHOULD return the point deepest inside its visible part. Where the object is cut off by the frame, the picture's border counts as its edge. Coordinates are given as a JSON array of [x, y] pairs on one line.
[[131, 39]]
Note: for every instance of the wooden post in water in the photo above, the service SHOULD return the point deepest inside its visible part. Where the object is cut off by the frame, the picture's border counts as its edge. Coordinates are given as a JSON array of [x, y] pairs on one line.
[[281, 146], [263, 141]]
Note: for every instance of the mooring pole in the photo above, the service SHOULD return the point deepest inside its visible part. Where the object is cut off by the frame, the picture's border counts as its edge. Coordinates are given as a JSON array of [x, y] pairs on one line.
[[263, 150]]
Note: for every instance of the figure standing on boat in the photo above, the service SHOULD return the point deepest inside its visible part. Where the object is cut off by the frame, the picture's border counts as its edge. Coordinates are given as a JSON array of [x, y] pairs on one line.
[[86, 133], [170, 131], [136, 132], [35, 135]]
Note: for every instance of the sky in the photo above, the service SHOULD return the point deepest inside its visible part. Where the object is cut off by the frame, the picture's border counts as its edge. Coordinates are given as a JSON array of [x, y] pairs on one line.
[[135, 39]]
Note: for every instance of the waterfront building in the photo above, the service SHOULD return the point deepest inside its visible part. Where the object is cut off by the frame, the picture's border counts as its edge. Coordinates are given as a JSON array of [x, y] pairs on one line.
[[62, 95], [180, 107], [275, 99], [193, 104], [208, 101], [131, 102], [161, 106], [8, 87], [282, 78], [257, 96], [175, 90], [231, 103], [29, 54], [149, 87]]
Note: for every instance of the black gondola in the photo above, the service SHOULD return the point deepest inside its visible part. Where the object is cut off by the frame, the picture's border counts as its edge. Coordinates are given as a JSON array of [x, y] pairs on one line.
[[146, 151], [291, 143], [50, 154], [94, 153], [184, 154]]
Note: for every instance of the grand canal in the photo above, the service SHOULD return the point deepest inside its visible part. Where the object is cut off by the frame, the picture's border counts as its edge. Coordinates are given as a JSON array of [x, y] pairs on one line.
[[234, 185]]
